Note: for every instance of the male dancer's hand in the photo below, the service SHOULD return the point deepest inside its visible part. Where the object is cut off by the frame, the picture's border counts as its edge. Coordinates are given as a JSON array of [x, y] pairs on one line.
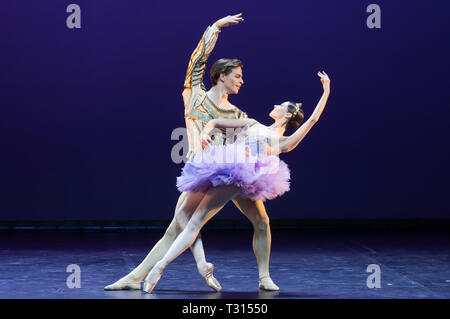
[[229, 20], [206, 140]]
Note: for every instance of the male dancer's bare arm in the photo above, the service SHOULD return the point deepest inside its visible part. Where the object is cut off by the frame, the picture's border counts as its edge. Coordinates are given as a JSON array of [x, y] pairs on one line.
[[223, 123]]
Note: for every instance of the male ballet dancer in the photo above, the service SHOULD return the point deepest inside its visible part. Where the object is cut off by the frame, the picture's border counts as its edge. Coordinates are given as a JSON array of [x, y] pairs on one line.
[[200, 107]]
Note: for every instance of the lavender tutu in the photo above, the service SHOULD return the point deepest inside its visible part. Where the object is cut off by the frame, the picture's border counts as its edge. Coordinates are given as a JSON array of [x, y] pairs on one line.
[[260, 177]]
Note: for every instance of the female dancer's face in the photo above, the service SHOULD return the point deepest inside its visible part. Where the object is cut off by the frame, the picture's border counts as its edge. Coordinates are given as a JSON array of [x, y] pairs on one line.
[[280, 111], [233, 81]]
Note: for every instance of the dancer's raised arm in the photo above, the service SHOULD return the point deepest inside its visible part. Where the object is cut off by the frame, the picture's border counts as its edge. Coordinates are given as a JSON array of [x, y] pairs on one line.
[[196, 68], [288, 143]]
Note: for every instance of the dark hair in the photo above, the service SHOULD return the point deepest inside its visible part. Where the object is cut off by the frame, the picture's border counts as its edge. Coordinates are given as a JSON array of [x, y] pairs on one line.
[[224, 66], [297, 115]]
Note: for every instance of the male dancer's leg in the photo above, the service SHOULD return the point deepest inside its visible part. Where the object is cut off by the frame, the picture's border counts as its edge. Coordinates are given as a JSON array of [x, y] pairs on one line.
[[132, 281], [256, 213]]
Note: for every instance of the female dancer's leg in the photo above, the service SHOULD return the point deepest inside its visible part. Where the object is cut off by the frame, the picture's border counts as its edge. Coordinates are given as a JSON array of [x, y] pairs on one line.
[[182, 217], [134, 278], [212, 202]]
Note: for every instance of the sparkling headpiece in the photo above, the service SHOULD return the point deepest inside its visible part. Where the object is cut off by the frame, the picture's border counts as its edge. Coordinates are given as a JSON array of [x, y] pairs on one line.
[[297, 109]]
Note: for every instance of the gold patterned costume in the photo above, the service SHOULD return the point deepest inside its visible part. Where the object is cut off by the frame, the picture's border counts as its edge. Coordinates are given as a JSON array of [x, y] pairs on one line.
[[199, 109]]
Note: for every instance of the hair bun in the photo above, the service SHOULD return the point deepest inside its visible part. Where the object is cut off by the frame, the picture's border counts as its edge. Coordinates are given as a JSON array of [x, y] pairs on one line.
[[297, 115]]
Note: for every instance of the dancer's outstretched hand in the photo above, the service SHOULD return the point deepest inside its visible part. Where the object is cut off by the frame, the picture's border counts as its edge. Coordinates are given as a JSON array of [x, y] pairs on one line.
[[230, 20], [325, 80]]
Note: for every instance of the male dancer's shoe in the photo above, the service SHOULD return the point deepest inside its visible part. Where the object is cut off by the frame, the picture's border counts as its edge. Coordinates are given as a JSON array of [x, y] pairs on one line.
[[125, 283], [266, 283]]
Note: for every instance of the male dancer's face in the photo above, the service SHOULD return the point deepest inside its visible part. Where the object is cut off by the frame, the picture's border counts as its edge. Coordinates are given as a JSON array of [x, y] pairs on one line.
[[233, 81]]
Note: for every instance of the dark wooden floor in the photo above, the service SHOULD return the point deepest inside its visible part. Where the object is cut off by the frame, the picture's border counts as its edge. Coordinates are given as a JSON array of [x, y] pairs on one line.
[[304, 263]]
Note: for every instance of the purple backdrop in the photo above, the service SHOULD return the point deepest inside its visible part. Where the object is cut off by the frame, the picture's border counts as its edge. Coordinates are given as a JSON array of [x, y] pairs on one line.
[[87, 114]]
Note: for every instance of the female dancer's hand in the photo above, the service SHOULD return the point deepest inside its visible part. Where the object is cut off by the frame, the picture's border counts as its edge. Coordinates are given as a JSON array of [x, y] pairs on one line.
[[325, 80], [229, 20]]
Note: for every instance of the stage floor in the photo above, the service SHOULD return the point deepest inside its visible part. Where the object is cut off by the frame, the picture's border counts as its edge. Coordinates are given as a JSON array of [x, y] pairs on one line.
[[304, 264]]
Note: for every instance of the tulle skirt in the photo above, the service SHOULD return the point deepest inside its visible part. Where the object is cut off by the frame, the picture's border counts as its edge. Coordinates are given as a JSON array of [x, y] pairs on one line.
[[259, 177]]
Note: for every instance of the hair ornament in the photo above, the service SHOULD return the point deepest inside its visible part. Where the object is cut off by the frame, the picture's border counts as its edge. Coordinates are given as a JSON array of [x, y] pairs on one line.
[[297, 109]]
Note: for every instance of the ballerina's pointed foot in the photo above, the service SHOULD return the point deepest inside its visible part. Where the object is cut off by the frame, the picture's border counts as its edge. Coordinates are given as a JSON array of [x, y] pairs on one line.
[[266, 283], [152, 279], [125, 284], [207, 274]]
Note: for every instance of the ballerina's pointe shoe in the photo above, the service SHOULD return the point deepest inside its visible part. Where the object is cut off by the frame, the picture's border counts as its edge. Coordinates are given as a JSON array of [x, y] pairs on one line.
[[207, 274], [266, 283], [151, 280]]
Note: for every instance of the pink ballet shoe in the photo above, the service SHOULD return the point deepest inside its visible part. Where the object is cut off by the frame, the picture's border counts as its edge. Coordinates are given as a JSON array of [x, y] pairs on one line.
[[207, 274], [151, 280]]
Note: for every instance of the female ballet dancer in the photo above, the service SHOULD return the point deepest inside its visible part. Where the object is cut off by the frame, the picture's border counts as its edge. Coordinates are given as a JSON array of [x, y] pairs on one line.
[[212, 181]]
